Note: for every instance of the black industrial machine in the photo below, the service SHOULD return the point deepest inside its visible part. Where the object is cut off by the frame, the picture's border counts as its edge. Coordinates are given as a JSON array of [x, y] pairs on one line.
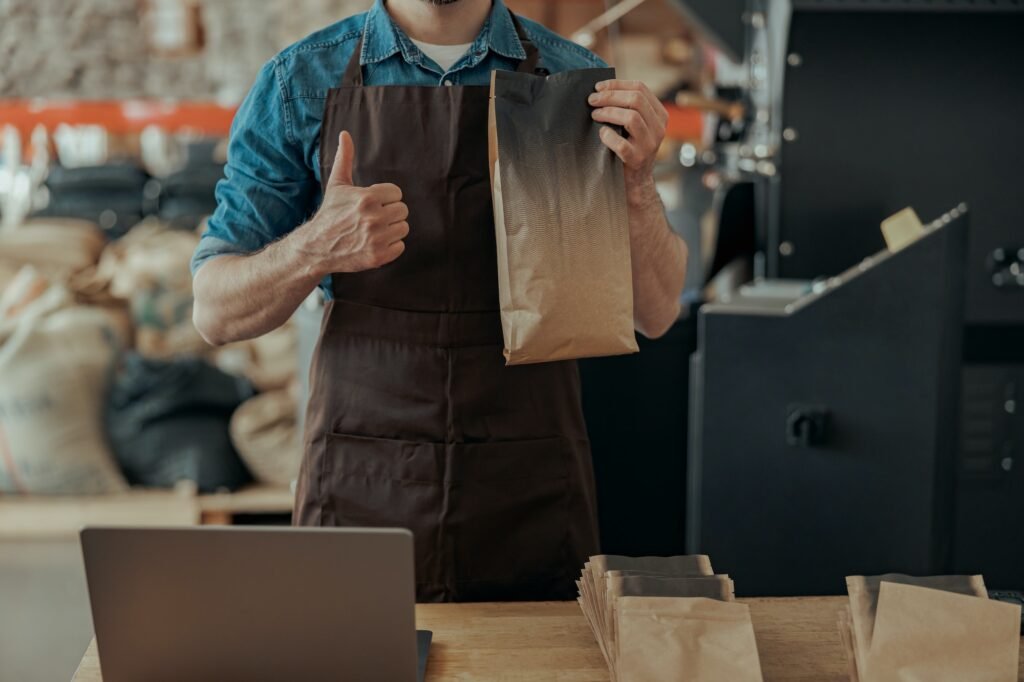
[[856, 109], [824, 424]]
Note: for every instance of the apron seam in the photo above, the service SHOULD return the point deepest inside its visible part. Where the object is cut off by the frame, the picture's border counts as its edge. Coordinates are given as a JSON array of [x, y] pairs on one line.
[[320, 488]]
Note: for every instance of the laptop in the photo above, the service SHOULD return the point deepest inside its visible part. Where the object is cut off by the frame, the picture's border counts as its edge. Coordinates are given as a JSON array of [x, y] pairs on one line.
[[254, 604]]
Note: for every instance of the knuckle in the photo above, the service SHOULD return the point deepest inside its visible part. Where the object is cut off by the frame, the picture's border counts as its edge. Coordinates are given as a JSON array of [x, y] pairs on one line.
[[365, 202]]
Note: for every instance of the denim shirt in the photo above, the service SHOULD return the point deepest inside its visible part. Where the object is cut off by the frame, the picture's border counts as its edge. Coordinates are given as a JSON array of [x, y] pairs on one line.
[[272, 178]]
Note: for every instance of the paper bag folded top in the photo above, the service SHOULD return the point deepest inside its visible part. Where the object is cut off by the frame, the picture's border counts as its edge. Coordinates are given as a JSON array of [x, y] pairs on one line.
[[633, 584], [565, 282], [940, 636], [689, 565]]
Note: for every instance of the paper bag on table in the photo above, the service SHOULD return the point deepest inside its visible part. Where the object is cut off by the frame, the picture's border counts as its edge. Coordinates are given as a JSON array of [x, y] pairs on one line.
[[927, 634], [863, 591], [596, 571], [630, 584], [564, 270], [698, 640], [598, 568]]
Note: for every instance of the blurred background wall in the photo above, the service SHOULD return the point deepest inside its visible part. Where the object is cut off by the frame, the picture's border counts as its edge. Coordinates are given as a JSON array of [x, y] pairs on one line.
[[95, 48]]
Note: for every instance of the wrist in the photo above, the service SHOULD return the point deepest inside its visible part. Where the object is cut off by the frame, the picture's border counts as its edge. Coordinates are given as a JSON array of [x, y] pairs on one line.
[[641, 192], [298, 258]]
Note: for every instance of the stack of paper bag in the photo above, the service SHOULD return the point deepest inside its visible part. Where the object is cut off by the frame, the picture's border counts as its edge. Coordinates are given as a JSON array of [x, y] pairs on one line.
[[667, 618], [938, 628]]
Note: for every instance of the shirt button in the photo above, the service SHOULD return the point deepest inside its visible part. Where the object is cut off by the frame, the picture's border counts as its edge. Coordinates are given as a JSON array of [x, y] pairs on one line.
[[447, 82]]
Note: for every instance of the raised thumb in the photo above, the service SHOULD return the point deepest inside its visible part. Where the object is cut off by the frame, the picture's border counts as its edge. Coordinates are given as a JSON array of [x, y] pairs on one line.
[[341, 173]]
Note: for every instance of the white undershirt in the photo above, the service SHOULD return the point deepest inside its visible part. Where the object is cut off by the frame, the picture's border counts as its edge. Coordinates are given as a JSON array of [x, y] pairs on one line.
[[444, 55]]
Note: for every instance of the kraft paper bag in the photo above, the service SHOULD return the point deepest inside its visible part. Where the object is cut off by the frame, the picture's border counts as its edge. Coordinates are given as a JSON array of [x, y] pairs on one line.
[[597, 569], [630, 584], [936, 636], [863, 592], [565, 279], [587, 605], [670, 639], [628, 576]]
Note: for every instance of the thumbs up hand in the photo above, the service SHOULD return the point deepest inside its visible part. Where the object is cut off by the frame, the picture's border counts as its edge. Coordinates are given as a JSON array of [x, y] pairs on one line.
[[356, 228]]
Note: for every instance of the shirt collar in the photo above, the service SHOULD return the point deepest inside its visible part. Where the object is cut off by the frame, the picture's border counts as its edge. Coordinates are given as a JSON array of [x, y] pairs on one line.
[[382, 38]]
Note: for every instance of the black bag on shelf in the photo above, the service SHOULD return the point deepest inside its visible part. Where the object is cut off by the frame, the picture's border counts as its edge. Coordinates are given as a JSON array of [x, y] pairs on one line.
[[112, 195], [168, 421], [186, 197]]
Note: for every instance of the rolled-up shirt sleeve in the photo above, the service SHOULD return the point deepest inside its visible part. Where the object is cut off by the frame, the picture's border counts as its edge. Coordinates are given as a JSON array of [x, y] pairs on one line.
[[268, 189]]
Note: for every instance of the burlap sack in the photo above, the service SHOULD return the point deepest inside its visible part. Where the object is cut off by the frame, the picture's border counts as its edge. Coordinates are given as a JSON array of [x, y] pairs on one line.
[[149, 269], [564, 271], [270, 361], [863, 592], [939, 636], [57, 247], [669, 639], [27, 286], [8, 271], [264, 433], [55, 361]]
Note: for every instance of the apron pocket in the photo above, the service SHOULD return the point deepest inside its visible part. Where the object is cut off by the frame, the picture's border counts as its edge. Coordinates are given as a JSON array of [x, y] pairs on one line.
[[383, 483], [509, 519]]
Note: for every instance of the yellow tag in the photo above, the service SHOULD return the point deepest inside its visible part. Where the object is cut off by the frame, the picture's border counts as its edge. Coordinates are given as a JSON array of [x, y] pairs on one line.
[[902, 229]]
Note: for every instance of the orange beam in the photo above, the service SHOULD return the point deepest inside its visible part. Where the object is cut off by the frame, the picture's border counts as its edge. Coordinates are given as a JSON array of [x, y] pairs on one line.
[[131, 116], [119, 117], [685, 124]]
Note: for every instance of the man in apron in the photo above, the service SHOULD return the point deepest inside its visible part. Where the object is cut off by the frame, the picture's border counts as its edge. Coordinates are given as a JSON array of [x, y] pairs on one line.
[[359, 163]]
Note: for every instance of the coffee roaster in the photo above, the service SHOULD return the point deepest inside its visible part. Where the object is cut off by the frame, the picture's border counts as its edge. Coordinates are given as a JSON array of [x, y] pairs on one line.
[[852, 110]]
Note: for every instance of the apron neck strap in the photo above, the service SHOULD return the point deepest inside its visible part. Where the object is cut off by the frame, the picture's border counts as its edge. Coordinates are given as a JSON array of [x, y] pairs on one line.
[[353, 75], [528, 65]]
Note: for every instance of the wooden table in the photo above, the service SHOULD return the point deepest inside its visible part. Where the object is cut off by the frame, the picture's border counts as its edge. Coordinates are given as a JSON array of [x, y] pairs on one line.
[[797, 640]]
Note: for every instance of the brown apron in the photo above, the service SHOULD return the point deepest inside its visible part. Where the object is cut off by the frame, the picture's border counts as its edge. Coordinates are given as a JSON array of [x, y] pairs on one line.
[[414, 420]]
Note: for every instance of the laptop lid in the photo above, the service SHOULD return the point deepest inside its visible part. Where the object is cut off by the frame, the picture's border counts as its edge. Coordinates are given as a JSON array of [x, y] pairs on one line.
[[254, 604]]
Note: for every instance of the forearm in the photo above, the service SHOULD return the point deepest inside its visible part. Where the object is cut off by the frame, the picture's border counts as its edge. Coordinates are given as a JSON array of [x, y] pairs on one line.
[[242, 297], [659, 263]]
